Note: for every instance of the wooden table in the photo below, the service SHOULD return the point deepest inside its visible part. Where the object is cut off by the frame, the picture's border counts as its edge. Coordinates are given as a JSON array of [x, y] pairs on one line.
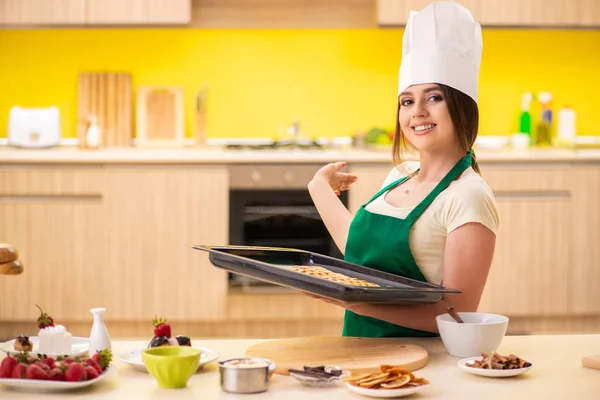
[[557, 374]]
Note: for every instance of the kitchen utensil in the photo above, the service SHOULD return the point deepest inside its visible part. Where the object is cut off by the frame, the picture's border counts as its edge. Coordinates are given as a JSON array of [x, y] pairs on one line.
[[359, 355], [105, 96], [273, 265], [591, 361], [480, 333], [246, 379], [160, 116], [454, 315], [34, 127]]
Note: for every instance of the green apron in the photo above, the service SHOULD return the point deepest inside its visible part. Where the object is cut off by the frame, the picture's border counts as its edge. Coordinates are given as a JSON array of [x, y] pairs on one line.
[[381, 242]]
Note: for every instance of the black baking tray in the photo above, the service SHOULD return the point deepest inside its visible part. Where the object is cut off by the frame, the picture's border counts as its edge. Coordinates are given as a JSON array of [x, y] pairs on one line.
[[271, 264]]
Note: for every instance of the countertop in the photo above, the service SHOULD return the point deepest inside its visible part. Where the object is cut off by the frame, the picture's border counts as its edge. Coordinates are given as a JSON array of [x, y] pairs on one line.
[[132, 155], [557, 373]]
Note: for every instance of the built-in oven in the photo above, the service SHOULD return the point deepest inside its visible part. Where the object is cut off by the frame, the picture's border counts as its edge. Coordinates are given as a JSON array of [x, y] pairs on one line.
[[270, 206]]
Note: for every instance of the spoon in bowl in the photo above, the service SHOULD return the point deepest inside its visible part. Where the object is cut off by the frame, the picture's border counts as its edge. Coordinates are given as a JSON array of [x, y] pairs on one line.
[[455, 315]]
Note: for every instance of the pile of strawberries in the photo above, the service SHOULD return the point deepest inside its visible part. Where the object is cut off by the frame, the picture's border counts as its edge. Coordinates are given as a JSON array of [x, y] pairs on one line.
[[70, 369]]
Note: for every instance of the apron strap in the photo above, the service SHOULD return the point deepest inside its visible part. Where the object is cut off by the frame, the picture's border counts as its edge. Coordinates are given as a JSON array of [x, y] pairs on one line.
[[454, 173], [388, 187]]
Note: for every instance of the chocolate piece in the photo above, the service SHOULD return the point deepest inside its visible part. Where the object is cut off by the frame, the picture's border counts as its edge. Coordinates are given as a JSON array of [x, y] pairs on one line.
[[158, 341], [183, 340]]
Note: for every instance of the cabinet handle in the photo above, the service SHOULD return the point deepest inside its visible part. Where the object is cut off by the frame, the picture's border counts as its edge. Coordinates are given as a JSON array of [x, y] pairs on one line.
[[50, 198]]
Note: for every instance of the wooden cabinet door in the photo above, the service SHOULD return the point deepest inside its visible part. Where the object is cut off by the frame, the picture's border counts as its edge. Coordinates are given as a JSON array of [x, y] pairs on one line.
[[154, 214], [531, 266], [169, 11], [139, 12], [513, 13], [55, 219], [116, 12], [584, 266], [42, 12]]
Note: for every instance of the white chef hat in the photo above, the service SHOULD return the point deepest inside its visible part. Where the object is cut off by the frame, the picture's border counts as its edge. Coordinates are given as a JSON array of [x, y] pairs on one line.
[[442, 44]]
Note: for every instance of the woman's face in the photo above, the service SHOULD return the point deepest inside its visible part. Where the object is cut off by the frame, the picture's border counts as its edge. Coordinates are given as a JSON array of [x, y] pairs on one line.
[[424, 118]]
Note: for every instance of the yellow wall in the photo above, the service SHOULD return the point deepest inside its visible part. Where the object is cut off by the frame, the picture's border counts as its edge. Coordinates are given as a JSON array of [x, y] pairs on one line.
[[335, 81]]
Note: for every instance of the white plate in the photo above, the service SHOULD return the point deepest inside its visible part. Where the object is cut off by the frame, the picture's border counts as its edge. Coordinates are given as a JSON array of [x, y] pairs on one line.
[[31, 385], [496, 373], [385, 393], [79, 346], [133, 357]]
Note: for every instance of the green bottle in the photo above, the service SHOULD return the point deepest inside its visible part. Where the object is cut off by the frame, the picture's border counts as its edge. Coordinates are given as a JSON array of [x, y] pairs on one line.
[[525, 119]]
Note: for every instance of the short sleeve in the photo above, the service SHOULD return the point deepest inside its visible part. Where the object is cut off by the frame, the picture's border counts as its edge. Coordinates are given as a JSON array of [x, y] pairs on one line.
[[474, 202]]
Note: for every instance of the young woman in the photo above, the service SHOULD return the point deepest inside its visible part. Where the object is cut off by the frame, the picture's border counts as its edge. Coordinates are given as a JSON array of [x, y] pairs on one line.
[[433, 220]]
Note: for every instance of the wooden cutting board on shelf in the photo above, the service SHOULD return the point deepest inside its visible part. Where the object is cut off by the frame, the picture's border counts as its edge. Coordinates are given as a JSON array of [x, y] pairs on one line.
[[160, 116], [359, 355], [106, 96]]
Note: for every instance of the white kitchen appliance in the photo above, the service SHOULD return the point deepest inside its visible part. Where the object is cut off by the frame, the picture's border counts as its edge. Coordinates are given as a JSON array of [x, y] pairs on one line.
[[34, 127]]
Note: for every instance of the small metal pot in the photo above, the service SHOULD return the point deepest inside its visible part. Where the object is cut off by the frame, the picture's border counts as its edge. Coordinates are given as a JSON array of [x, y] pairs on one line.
[[247, 379]]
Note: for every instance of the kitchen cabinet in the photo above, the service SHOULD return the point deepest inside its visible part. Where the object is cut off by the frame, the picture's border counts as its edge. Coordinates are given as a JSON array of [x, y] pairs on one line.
[[154, 214], [118, 237], [42, 12], [134, 12], [507, 13], [95, 12], [55, 219], [583, 268]]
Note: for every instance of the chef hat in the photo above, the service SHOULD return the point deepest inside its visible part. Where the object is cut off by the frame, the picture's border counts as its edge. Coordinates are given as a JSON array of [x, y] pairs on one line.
[[442, 44]]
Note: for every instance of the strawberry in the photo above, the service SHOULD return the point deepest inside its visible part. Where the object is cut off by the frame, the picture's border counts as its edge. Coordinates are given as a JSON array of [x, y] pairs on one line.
[[49, 361], [35, 371], [44, 320], [75, 373], [103, 358], [68, 361], [56, 375], [91, 362], [92, 373], [19, 371], [7, 366], [161, 328]]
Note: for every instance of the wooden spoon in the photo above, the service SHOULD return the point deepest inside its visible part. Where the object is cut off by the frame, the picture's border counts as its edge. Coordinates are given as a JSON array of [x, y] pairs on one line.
[[455, 315]]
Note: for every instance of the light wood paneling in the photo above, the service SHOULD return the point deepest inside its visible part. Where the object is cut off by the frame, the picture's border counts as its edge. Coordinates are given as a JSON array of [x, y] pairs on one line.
[[26, 12], [584, 265], [280, 307], [284, 14], [509, 13], [60, 245], [75, 180], [530, 270], [116, 11], [169, 11], [154, 214]]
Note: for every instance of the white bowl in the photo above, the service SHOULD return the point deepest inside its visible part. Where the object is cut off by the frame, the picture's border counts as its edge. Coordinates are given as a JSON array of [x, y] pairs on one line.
[[480, 333]]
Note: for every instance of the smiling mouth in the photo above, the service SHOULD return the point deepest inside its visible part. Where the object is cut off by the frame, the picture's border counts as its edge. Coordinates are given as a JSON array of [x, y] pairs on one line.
[[421, 128]]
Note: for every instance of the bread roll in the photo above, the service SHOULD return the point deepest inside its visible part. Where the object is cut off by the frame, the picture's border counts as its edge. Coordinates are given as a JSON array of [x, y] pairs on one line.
[[11, 268], [8, 253]]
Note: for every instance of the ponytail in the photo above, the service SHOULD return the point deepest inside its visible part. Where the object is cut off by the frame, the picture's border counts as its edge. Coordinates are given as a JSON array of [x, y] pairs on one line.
[[474, 164]]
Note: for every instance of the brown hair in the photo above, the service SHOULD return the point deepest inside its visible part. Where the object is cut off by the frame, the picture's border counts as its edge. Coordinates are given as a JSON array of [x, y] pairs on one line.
[[464, 113]]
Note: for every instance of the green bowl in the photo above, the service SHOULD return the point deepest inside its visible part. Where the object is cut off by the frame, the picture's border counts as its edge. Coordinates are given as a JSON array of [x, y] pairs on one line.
[[172, 366]]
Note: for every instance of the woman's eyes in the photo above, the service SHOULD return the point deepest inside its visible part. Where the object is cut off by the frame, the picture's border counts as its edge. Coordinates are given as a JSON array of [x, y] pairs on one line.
[[407, 102]]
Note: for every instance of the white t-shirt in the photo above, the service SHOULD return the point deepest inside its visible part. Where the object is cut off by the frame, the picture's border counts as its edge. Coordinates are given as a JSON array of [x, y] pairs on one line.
[[468, 199]]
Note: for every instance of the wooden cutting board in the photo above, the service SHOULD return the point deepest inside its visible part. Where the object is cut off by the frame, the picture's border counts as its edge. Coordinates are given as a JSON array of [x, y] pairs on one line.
[[359, 355]]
